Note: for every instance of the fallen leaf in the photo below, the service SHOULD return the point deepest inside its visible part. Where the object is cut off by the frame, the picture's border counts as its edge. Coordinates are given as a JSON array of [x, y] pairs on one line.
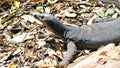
[[34, 0], [57, 6], [40, 9], [40, 42], [30, 54], [115, 15], [110, 12], [22, 37], [31, 19], [16, 51], [52, 1], [12, 65], [17, 4], [47, 10], [7, 18], [71, 14], [92, 20], [6, 57]]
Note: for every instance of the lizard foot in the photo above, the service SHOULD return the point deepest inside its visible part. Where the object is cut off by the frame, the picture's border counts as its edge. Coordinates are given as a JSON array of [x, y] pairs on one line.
[[63, 64]]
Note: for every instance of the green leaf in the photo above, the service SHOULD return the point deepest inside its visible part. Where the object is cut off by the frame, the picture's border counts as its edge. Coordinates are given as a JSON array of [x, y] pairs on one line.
[[102, 13], [115, 15], [110, 12]]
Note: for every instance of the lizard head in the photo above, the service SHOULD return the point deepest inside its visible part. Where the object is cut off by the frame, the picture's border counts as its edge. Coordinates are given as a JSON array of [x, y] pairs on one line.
[[44, 17], [48, 21]]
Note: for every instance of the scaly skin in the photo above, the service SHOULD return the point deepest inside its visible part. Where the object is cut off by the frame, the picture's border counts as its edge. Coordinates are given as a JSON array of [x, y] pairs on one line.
[[115, 2], [84, 37]]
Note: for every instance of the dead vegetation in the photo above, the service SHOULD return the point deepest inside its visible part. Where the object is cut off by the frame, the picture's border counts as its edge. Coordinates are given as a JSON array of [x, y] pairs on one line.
[[26, 43]]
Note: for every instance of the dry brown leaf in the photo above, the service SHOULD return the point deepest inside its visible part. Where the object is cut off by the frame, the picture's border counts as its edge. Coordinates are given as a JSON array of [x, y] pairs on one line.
[[30, 54], [92, 20], [6, 57], [67, 12], [103, 53], [4, 1], [47, 10], [1, 41], [57, 6], [34, 0], [16, 51], [50, 61], [40, 42], [31, 19], [12, 65], [22, 37]]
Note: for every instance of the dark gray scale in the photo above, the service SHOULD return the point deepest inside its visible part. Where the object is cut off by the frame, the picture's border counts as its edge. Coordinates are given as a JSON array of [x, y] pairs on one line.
[[96, 35]]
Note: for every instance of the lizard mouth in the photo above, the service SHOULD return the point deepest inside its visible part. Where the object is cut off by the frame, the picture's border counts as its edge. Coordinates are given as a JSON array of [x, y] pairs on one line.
[[38, 16]]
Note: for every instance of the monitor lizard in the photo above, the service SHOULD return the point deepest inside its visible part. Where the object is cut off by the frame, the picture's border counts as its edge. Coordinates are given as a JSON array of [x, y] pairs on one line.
[[84, 37]]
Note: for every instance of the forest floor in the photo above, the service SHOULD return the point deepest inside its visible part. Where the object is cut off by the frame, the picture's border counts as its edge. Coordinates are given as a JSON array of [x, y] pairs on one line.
[[26, 43]]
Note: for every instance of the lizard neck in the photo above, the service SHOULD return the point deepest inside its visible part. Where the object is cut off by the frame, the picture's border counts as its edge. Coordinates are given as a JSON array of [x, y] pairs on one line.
[[56, 27]]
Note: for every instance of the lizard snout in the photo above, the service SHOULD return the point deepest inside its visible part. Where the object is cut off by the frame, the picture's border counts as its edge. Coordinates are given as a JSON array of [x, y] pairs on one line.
[[39, 16]]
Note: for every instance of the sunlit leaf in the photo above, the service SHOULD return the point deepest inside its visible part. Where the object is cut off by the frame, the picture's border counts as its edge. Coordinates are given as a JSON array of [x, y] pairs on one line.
[[17, 4], [71, 15], [12, 65], [109, 12], [22, 37], [52, 1], [7, 18], [40, 43], [115, 15], [102, 13]]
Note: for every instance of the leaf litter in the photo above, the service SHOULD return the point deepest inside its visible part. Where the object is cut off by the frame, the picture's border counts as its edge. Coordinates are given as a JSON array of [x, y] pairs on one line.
[[26, 43]]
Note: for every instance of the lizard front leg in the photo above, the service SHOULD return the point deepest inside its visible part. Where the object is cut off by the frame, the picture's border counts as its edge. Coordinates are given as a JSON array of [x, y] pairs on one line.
[[71, 49]]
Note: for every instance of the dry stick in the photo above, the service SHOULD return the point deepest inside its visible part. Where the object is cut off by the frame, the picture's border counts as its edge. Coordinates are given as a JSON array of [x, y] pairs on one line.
[[6, 19], [61, 51]]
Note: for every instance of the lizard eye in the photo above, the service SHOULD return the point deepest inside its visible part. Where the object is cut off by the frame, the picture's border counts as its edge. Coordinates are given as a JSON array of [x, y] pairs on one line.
[[42, 16]]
